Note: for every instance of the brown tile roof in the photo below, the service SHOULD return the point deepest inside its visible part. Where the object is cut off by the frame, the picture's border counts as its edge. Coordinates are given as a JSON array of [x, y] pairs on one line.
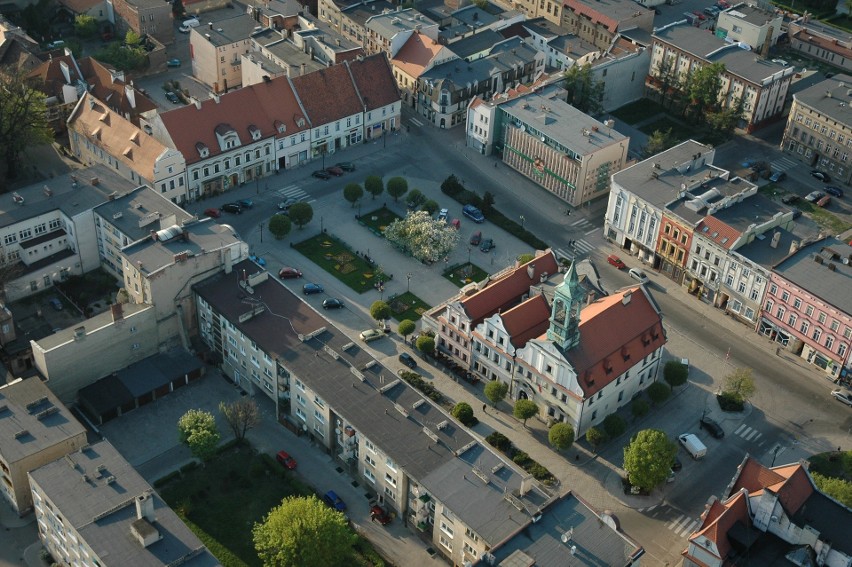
[[790, 482], [526, 320], [328, 94], [616, 332], [374, 81], [808, 37], [719, 232], [718, 521], [611, 24], [507, 291], [20, 53], [117, 136], [112, 91], [416, 54], [80, 6], [51, 76]]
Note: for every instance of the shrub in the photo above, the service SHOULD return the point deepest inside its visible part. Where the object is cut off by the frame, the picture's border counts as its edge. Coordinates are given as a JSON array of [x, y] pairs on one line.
[[658, 392], [614, 425], [675, 373], [520, 458], [595, 436], [539, 472], [729, 401], [639, 407], [499, 441], [464, 413]]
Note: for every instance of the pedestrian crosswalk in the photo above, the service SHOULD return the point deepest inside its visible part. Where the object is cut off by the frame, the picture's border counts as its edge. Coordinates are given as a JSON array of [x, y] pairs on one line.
[[294, 192], [783, 164], [749, 434], [683, 525], [415, 121], [580, 247]]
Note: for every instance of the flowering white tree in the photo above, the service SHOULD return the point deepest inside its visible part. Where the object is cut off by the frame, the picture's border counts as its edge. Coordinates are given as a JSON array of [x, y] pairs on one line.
[[426, 238]]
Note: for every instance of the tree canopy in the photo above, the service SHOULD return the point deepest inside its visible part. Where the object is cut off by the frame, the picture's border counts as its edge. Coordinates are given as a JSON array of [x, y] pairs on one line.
[[561, 436], [23, 121], [585, 93], [241, 415], [740, 384], [659, 141], [353, 192], [648, 459], [496, 391], [675, 373], [425, 344], [373, 185], [86, 26], [406, 327], [380, 310], [301, 213], [197, 428], [525, 409], [426, 238], [279, 226], [397, 187]]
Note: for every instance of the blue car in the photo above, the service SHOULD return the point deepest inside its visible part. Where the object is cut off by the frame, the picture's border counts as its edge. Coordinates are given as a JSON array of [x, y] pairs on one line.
[[473, 214], [246, 203], [332, 499], [312, 288]]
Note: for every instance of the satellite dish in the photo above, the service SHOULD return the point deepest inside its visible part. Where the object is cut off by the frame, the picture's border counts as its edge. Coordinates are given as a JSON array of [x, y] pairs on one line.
[[564, 538]]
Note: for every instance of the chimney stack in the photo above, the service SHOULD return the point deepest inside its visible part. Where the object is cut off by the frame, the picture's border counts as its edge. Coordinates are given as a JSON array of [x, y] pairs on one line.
[[117, 312], [775, 238]]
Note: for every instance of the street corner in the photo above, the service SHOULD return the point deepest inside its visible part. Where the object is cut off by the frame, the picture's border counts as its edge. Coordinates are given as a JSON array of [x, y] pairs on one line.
[[9, 519], [614, 483]]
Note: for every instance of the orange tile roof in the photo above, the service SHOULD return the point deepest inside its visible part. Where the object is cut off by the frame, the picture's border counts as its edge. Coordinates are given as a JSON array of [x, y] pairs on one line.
[[507, 291], [616, 332], [790, 482], [416, 54], [527, 320], [116, 136], [328, 94], [719, 519], [592, 14], [719, 232], [374, 81], [51, 76]]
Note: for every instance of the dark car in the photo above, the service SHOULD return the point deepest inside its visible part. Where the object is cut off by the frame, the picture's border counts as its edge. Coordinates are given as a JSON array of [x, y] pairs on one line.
[[212, 213], [312, 288], [288, 273], [245, 203], [335, 171], [285, 205], [796, 213], [834, 191], [789, 199], [476, 238], [321, 174], [332, 303], [55, 303], [473, 214], [777, 176], [821, 176], [408, 360], [332, 499], [345, 166], [677, 465], [378, 514], [286, 460], [487, 245], [172, 97], [232, 208], [712, 427]]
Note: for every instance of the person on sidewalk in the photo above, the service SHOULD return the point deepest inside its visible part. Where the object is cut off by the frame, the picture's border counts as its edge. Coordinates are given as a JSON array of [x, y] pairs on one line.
[[484, 408]]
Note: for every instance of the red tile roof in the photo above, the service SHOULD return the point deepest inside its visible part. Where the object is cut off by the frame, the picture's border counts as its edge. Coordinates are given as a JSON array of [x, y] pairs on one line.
[[616, 332], [719, 232], [416, 54], [374, 81], [328, 94], [51, 76], [592, 14], [790, 482], [526, 320], [718, 521]]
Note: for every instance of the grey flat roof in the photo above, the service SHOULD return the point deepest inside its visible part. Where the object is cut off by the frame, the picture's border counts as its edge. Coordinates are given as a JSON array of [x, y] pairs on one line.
[[834, 286], [751, 14], [141, 211], [285, 7], [391, 23], [474, 17], [596, 543], [226, 31], [102, 512], [825, 29], [836, 106], [754, 210], [573, 46], [510, 54], [761, 252], [545, 28], [698, 199], [475, 43], [829, 518], [704, 45], [288, 53], [54, 427], [618, 10], [325, 34], [361, 12], [550, 115], [72, 193]]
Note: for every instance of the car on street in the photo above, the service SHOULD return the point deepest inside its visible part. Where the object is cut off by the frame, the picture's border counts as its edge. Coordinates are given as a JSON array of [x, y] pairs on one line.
[[55, 303], [834, 191], [332, 303], [824, 201], [473, 214], [332, 499], [321, 174], [814, 196], [712, 427], [777, 176], [616, 261], [699, 15], [796, 213], [312, 288], [184, 29], [245, 203], [378, 514], [407, 360], [487, 245], [213, 213], [638, 275], [334, 170], [286, 460], [234, 208], [173, 62], [172, 97], [476, 238], [345, 166], [789, 199], [442, 214], [821, 176], [371, 335], [677, 465], [285, 205], [288, 273], [842, 396]]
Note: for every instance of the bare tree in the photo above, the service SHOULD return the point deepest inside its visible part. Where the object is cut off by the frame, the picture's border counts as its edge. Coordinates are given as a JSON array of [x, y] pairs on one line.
[[241, 416]]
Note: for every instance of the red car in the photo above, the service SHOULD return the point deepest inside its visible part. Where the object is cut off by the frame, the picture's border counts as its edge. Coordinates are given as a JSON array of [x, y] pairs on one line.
[[616, 261], [334, 170], [213, 213], [699, 15], [287, 273], [824, 201], [378, 514], [286, 460]]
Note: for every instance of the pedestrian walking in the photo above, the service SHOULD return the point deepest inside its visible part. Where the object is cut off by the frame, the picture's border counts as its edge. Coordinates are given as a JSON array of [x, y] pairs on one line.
[[484, 410]]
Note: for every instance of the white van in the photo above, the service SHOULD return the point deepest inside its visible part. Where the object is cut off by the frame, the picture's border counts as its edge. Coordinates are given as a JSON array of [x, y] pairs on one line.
[[189, 24], [693, 445]]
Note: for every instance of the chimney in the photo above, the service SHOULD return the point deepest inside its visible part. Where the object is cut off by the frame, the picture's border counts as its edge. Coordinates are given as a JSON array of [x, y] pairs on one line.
[[117, 313], [304, 67], [794, 246], [210, 24], [197, 103], [130, 92], [94, 181], [775, 238], [531, 271], [145, 507], [154, 235], [66, 72], [626, 298]]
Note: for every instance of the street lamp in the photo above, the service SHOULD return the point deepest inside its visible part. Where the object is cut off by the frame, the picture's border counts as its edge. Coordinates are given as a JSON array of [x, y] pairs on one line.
[[469, 249], [523, 220], [261, 233], [408, 286]]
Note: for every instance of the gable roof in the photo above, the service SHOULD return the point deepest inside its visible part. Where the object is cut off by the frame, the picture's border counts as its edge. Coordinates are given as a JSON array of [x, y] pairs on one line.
[[527, 320], [416, 54], [789, 482], [593, 14], [111, 88], [374, 81], [822, 268], [328, 94], [719, 232], [51, 75], [719, 519]]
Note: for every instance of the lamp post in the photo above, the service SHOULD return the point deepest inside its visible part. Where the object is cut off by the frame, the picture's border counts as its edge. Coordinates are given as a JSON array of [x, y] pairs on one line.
[[469, 249], [261, 233], [384, 138], [408, 285], [523, 220]]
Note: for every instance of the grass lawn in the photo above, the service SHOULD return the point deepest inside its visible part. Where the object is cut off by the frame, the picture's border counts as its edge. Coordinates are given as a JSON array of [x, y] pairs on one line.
[[822, 217], [334, 257], [637, 111], [465, 274], [407, 306], [379, 219], [679, 131], [840, 467]]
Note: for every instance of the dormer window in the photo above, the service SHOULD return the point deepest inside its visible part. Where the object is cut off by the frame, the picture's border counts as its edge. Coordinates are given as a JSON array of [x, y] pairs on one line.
[[255, 132], [280, 127], [203, 151], [227, 137]]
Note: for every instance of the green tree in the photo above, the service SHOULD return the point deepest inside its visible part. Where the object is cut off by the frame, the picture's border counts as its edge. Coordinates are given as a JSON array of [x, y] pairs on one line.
[[303, 531], [430, 206], [837, 488], [496, 391], [659, 141], [561, 436], [122, 57], [675, 373], [241, 415], [424, 237], [639, 407], [666, 78], [374, 186], [279, 226], [740, 384], [415, 198], [487, 204], [85, 26], [132, 39], [595, 437], [658, 392], [648, 459], [23, 121], [704, 86], [301, 213], [464, 413], [352, 192], [197, 428], [524, 258], [726, 119], [585, 93], [525, 409], [614, 425], [405, 328], [425, 344], [397, 187], [380, 310]]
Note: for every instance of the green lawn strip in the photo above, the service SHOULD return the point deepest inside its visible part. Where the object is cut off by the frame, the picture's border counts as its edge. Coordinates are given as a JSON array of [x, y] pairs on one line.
[[407, 306], [835, 465], [637, 111], [465, 274], [222, 553], [333, 256], [823, 217], [379, 219]]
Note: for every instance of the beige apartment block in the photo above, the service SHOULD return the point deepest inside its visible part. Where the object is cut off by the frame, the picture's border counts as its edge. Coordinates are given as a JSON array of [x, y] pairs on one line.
[[216, 49]]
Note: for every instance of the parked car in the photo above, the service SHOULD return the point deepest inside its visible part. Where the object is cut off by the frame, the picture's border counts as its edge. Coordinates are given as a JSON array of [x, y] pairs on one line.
[[777, 176], [814, 196], [332, 499], [332, 303], [677, 465], [245, 203], [55, 303], [789, 199], [834, 191], [321, 174], [473, 214], [638, 275], [442, 214], [286, 460], [312, 288], [183, 29], [172, 97], [288, 273], [842, 396], [476, 238], [213, 213], [408, 360], [712, 427], [616, 261], [334, 170], [699, 15], [378, 514], [796, 213], [285, 205], [234, 208], [824, 201], [173, 62], [456, 224], [487, 245], [371, 335], [821, 176], [345, 166]]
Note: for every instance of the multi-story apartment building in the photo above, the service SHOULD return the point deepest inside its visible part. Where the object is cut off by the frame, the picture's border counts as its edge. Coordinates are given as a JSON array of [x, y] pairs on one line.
[[562, 49], [217, 48], [600, 21], [53, 236], [317, 38], [807, 306], [388, 32], [551, 11], [93, 508], [350, 19], [418, 55], [100, 135], [821, 41], [819, 131], [759, 85], [273, 55], [145, 17], [751, 25], [622, 69], [35, 429], [673, 245]]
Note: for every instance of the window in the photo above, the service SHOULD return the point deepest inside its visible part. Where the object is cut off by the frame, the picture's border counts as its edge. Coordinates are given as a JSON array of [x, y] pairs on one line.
[[835, 324], [446, 528], [319, 417], [390, 480], [369, 460], [817, 333], [797, 303], [773, 289], [785, 297], [446, 543], [803, 328], [469, 550], [369, 446], [809, 310], [821, 318], [390, 464], [300, 414], [368, 474], [829, 342]]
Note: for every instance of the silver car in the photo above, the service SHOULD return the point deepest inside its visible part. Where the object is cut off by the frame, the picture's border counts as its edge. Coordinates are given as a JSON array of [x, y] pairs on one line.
[[843, 396]]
